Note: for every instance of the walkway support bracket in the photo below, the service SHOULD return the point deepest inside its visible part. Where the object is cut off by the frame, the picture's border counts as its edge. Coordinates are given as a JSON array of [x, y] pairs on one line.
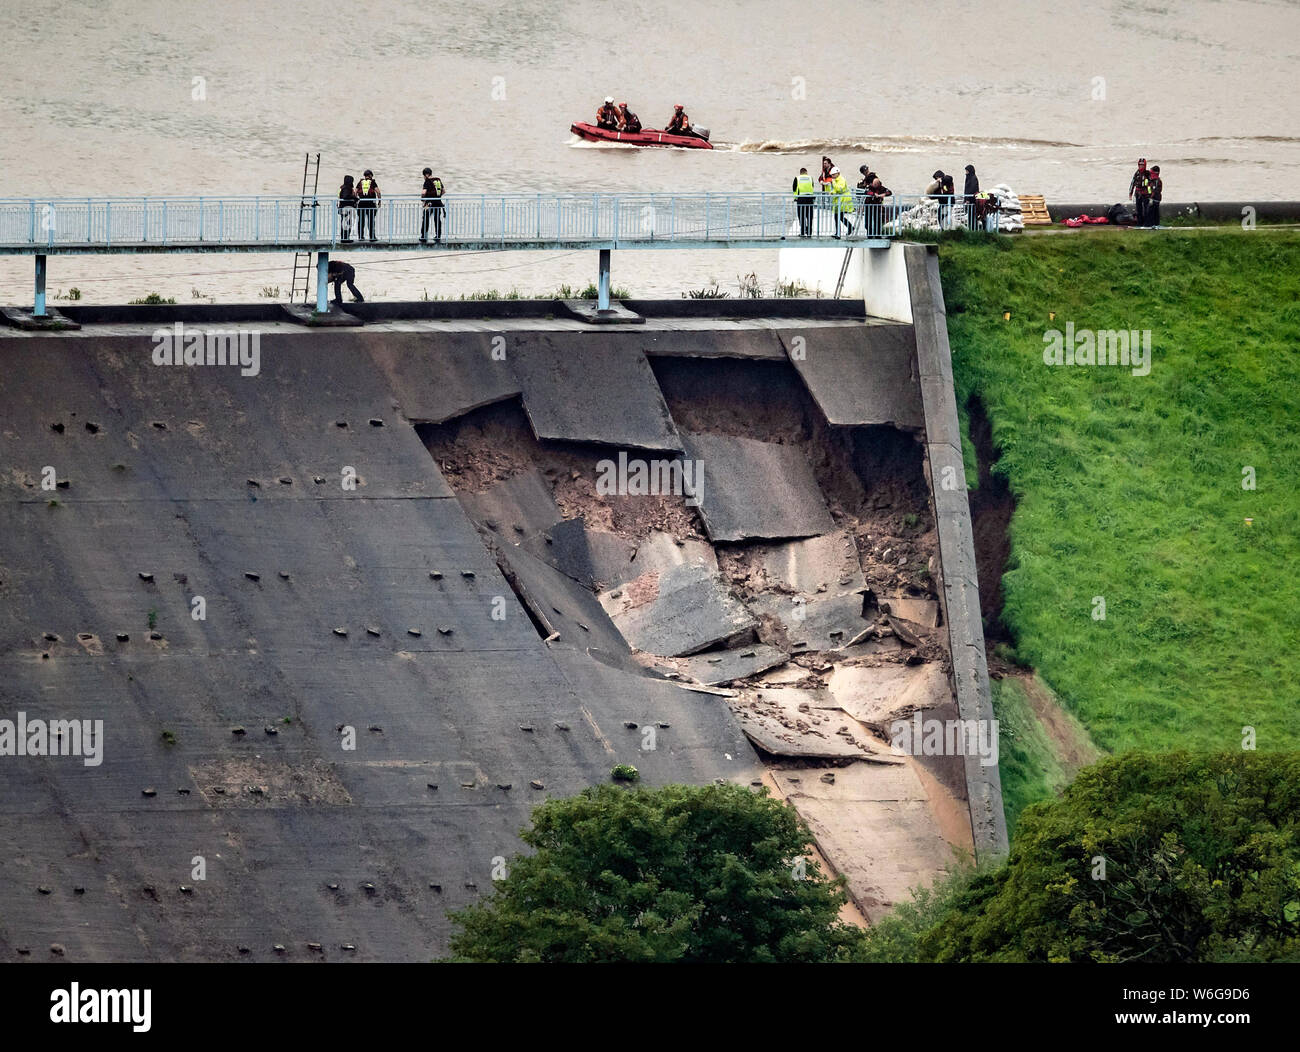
[[39, 310], [322, 282], [602, 286]]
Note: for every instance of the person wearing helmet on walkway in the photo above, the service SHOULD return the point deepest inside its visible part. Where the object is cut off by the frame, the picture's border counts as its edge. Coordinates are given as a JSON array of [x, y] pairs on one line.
[[628, 121], [607, 115], [679, 123], [1139, 188], [431, 206], [842, 201], [1157, 187]]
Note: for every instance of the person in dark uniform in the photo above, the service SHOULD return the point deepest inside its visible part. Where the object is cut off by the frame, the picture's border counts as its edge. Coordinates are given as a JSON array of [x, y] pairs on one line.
[[431, 198], [1157, 187], [970, 189], [367, 204], [1139, 190], [341, 274], [948, 191], [347, 208], [628, 121], [804, 189]]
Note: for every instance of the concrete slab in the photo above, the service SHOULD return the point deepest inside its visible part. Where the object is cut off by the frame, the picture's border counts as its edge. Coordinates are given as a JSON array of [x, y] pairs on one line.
[[586, 310], [438, 377], [563, 606], [879, 695], [828, 563], [716, 667], [876, 823], [679, 611], [52, 320], [821, 623], [762, 344], [789, 721], [755, 490], [923, 612], [590, 389], [515, 508], [859, 375]]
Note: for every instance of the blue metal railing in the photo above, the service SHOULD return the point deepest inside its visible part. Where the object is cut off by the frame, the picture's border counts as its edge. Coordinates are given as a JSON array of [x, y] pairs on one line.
[[504, 220]]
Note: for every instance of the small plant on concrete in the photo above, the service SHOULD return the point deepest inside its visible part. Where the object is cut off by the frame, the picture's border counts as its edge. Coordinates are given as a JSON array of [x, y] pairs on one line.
[[53, 502], [750, 287], [168, 738], [153, 620], [153, 299], [625, 772], [708, 293], [270, 292]]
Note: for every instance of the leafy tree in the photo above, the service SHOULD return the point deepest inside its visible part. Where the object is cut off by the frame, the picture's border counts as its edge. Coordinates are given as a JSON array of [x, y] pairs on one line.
[[684, 873], [1202, 863]]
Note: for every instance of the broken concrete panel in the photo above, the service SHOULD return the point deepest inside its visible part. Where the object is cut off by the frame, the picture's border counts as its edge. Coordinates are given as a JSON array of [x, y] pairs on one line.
[[592, 389], [828, 563], [923, 612], [690, 610], [514, 508], [715, 667], [859, 375], [563, 606], [565, 546], [687, 342], [879, 695], [820, 623], [436, 381], [755, 490], [787, 721]]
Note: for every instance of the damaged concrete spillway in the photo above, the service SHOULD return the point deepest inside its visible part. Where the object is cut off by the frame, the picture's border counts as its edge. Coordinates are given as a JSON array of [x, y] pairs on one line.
[[343, 623]]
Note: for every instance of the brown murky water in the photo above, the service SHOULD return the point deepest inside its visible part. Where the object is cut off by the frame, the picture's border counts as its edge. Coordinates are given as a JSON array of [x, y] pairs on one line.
[[1055, 98]]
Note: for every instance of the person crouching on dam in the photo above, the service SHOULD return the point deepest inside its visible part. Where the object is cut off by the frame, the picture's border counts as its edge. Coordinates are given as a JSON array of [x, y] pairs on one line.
[[341, 274]]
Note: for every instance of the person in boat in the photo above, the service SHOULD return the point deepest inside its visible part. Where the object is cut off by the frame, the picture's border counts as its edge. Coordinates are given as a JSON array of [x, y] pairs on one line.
[[628, 121], [607, 115], [679, 124]]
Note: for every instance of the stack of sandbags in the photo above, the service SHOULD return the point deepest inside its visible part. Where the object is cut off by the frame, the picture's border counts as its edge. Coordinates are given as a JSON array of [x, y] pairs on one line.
[[1010, 218]]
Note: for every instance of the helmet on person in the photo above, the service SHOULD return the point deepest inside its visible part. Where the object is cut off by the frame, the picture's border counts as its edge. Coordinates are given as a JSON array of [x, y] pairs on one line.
[[368, 174], [427, 171], [622, 105], [678, 107], [609, 99], [834, 170], [1142, 162], [863, 169]]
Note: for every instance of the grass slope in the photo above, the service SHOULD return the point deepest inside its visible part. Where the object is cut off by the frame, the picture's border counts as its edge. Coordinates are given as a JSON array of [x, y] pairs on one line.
[[1130, 487]]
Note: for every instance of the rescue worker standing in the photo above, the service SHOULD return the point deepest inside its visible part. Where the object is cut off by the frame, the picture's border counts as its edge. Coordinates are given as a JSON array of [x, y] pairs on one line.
[[367, 204], [341, 273], [607, 115], [1157, 187], [842, 201], [347, 208], [1139, 191], [969, 190], [431, 205], [804, 190], [628, 121]]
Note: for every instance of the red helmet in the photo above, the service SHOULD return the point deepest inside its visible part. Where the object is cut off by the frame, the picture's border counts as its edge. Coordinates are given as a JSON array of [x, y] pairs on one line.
[[678, 106]]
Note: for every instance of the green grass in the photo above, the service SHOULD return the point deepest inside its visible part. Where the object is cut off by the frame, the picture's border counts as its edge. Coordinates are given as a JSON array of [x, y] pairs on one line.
[[1027, 762], [1130, 487]]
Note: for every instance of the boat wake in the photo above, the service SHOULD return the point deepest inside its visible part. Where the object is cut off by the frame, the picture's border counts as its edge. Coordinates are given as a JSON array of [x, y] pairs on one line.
[[894, 144]]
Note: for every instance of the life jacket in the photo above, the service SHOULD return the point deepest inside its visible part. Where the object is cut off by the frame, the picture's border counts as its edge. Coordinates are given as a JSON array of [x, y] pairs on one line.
[[631, 122], [843, 198], [366, 189], [805, 187], [1142, 182]]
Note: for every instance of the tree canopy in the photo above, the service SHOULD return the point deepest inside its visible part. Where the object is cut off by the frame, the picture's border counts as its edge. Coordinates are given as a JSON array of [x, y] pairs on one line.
[[684, 873]]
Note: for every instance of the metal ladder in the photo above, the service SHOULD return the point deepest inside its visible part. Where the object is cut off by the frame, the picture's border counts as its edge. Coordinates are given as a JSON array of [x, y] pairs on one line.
[[844, 270], [307, 205]]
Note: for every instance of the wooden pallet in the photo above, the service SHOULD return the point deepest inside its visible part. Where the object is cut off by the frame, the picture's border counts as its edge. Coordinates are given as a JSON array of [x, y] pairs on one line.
[[1033, 210]]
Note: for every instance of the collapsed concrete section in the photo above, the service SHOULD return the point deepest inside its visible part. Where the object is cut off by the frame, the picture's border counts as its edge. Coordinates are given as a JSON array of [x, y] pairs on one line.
[[346, 621]]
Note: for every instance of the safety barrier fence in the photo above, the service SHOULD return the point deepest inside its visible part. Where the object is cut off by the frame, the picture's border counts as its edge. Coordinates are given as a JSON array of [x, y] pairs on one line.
[[628, 220]]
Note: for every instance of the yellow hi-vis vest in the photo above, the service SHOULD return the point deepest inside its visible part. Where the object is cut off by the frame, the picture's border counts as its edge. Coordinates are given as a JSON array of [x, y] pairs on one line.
[[805, 186], [843, 198]]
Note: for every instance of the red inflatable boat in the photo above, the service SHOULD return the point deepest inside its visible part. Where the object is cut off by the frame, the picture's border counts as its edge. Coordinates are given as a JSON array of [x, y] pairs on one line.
[[645, 137]]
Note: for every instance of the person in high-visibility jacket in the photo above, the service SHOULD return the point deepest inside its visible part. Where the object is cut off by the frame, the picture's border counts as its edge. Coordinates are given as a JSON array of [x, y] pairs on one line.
[[804, 189], [841, 201]]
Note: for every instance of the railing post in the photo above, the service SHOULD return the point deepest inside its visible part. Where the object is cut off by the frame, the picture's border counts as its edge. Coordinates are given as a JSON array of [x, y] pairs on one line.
[[257, 218], [706, 215], [539, 217], [108, 222], [221, 221], [602, 286], [503, 218], [618, 214], [276, 228], [595, 215], [144, 219], [322, 282], [52, 216], [31, 220], [200, 219], [90, 223], [39, 309], [482, 217], [164, 236]]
